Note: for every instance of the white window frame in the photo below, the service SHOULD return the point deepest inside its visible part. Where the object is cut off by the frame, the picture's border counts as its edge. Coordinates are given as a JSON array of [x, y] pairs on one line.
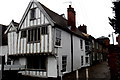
[[58, 37], [64, 63]]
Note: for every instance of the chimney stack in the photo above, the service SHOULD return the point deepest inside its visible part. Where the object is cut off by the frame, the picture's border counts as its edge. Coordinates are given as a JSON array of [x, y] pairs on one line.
[[71, 18], [83, 28]]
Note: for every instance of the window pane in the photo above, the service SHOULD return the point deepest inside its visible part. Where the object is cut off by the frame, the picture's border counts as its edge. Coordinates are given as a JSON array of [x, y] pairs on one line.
[[32, 14], [31, 35], [86, 59], [81, 44], [28, 35], [35, 34], [58, 33], [44, 30], [81, 60], [23, 34], [58, 38], [64, 63], [38, 33]]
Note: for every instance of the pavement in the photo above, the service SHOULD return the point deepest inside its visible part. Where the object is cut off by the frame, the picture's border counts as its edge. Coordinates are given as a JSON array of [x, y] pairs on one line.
[[99, 71]]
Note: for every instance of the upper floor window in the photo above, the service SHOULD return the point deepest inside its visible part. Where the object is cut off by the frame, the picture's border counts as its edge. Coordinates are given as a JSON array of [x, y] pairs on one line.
[[58, 38], [32, 13], [44, 30], [23, 34], [87, 46], [81, 44], [35, 33]]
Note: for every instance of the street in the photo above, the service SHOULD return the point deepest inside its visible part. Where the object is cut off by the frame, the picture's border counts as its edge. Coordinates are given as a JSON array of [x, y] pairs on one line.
[[96, 72]]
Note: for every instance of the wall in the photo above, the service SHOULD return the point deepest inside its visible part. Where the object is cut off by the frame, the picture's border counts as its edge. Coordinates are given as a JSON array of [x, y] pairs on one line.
[[78, 52], [12, 42], [44, 45], [52, 67], [64, 50], [4, 51]]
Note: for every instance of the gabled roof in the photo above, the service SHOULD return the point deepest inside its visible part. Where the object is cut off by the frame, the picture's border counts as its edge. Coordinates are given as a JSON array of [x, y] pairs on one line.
[[53, 18], [40, 7], [12, 24]]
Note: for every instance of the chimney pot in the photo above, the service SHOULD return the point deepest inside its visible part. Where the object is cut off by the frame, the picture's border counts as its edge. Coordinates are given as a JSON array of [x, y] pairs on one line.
[[83, 28]]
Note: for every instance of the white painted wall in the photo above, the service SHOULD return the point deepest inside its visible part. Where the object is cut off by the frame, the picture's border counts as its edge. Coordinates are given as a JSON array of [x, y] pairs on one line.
[[78, 52], [23, 61], [12, 42], [4, 51], [64, 50], [52, 67]]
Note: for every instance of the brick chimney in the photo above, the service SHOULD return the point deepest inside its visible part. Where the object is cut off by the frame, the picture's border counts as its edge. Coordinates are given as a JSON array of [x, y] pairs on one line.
[[83, 28], [71, 18]]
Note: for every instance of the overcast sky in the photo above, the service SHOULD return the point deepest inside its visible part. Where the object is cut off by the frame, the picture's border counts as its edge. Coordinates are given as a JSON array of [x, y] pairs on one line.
[[93, 13]]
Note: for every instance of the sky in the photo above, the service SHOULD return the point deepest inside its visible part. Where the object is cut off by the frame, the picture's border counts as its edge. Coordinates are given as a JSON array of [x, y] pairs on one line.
[[93, 13]]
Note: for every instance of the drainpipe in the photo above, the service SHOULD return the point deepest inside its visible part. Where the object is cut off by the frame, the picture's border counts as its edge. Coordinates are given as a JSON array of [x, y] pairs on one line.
[[71, 52]]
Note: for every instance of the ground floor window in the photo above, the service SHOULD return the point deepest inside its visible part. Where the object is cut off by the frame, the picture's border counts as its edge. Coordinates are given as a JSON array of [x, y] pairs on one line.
[[82, 60], [64, 63], [36, 62], [87, 60], [93, 56]]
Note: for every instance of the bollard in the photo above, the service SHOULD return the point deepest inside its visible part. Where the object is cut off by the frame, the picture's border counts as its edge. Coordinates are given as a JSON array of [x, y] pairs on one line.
[[77, 75], [87, 76]]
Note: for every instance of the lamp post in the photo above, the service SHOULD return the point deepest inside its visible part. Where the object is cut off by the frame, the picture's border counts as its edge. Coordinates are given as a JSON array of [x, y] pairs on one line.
[[112, 37]]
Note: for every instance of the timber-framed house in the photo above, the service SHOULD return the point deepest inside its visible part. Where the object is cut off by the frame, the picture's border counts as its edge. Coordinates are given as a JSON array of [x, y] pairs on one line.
[[44, 43]]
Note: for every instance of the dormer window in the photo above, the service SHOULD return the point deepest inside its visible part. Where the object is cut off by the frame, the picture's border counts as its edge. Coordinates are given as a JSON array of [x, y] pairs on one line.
[[32, 13]]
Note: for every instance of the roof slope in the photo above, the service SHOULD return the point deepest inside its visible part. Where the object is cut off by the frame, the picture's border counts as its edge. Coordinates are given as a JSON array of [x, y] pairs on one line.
[[12, 24], [61, 21], [58, 19]]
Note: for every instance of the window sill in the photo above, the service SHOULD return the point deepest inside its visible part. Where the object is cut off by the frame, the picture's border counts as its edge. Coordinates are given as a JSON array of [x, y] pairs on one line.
[[32, 19], [33, 42], [56, 46], [82, 49]]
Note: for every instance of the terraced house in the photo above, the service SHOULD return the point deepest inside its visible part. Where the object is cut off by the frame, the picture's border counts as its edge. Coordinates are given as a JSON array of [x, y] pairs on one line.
[[44, 43]]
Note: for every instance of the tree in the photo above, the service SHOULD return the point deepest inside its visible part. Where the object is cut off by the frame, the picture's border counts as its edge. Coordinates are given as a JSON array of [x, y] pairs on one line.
[[115, 22]]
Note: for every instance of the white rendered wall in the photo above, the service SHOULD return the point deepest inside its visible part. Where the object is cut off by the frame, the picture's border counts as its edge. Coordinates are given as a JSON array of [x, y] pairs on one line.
[[52, 67], [23, 61], [4, 51], [64, 50]]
